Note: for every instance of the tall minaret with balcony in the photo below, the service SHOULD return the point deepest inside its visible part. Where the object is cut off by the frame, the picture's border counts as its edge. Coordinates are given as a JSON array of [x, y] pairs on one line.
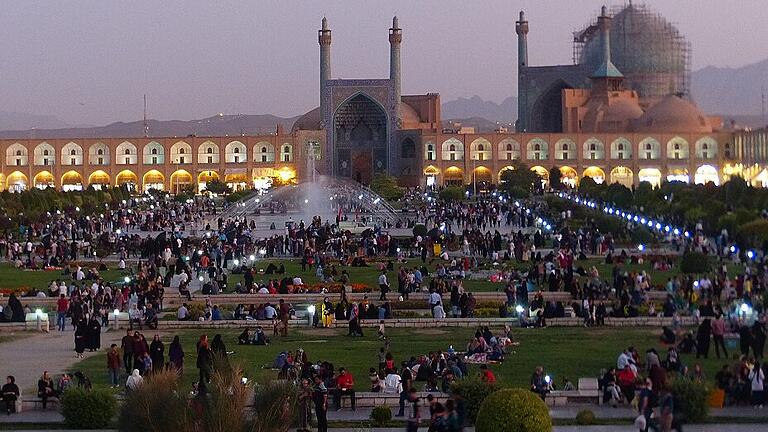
[[395, 38], [521, 28], [324, 39]]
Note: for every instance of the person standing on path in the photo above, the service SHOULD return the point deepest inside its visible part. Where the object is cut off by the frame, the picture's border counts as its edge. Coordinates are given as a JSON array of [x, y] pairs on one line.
[[320, 399], [126, 345], [10, 394], [113, 365], [62, 306], [285, 313], [414, 416]]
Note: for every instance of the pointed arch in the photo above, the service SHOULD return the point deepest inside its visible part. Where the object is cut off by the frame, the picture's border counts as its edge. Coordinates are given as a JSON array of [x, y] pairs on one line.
[[264, 151], [98, 154], [235, 152], [128, 178], [154, 153], [509, 149], [43, 180], [208, 153], [16, 155], [649, 149], [430, 151], [71, 181], [45, 154], [153, 179], [621, 149], [537, 149], [706, 148], [565, 149], [98, 179], [480, 150], [71, 154], [593, 149], [452, 150], [126, 154], [677, 148], [181, 153], [17, 182]]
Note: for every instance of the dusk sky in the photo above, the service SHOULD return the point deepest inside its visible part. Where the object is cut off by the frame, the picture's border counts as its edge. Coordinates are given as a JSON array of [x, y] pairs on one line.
[[91, 61]]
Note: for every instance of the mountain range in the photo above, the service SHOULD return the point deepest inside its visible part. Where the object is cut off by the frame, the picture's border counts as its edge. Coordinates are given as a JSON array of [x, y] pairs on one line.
[[732, 93]]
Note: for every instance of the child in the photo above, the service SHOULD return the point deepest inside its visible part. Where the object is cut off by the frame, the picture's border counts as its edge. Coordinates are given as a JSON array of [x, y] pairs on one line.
[[382, 334]]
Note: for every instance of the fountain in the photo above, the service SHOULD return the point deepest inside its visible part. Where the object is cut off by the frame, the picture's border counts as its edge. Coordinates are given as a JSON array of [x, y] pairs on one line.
[[319, 195]]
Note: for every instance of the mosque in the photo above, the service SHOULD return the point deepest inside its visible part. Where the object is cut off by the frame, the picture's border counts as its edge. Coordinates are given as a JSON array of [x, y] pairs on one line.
[[621, 113]]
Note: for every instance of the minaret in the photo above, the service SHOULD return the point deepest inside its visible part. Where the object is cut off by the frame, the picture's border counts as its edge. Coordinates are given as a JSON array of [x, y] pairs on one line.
[[607, 77], [395, 38], [521, 28], [324, 39]]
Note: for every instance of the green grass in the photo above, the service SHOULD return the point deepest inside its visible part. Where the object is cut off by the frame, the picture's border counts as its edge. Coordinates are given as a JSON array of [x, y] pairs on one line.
[[13, 278], [369, 275], [563, 352]]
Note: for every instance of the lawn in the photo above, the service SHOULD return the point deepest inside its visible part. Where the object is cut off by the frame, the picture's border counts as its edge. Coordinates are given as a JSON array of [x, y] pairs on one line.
[[369, 275], [564, 352], [13, 278]]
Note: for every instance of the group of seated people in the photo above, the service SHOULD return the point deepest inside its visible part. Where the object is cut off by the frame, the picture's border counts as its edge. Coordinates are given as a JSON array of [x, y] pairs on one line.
[[487, 348], [256, 337]]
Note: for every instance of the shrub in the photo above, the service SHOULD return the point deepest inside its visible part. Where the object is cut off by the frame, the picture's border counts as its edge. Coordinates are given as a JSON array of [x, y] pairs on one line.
[[452, 193], [585, 417], [276, 403], [381, 415], [694, 262], [159, 405], [473, 392], [513, 410], [691, 399], [88, 409]]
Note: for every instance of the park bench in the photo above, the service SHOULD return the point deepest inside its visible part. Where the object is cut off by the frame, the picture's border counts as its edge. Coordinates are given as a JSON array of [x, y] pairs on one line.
[[373, 399], [36, 402], [588, 392]]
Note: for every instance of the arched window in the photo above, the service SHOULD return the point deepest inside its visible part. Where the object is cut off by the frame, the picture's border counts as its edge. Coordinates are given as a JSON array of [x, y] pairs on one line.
[[565, 147], [429, 153], [72, 152], [154, 151], [18, 152], [210, 150], [100, 152], [237, 150], [452, 148], [45, 153], [537, 147], [127, 151], [509, 147], [287, 153], [649, 147]]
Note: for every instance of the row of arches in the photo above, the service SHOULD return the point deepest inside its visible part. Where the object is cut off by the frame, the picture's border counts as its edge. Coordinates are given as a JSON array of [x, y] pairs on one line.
[[455, 176], [621, 148], [180, 179], [153, 153]]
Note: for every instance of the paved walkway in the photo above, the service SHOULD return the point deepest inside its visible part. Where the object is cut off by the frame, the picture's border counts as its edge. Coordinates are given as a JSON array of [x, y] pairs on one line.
[[27, 357]]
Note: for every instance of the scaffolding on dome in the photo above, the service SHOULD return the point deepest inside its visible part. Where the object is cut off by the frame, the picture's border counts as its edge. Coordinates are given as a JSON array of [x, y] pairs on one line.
[[650, 51]]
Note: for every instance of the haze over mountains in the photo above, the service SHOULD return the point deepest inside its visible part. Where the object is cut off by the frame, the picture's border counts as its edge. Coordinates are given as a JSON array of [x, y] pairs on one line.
[[733, 93]]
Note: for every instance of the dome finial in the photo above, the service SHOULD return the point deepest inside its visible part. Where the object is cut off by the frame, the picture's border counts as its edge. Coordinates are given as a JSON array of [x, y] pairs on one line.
[[522, 16], [395, 22], [325, 24]]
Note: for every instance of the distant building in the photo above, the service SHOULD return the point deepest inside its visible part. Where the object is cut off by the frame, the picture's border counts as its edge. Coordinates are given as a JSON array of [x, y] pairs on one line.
[[619, 114]]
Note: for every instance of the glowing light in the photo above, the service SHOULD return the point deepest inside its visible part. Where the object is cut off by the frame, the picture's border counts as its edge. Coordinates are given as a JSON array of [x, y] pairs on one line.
[[641, 247], [744, 308], [676, 231], [732, 249], [750, 254], [127, 279], [236, 262], [116, 312], [519, 309], [311, 309], [548, 379], [39, 313]]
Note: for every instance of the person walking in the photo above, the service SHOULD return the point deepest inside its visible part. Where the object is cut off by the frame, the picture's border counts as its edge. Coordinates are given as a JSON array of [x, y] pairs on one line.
[[718, 335], [204, 360], [126, 345], [157, 354], [305, 406], [113, 365], [383, 285], [176, 356], [285, 313]]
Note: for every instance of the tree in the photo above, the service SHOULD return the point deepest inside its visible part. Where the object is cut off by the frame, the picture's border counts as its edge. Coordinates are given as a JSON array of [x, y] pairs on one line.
[[520, 182], [556, 179], [217, 187], [452, 193], [386, 186], [587, 186]]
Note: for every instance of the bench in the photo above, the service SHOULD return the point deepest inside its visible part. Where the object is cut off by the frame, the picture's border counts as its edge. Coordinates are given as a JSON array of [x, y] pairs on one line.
[[37, 402], [373, 399], [588, 392]]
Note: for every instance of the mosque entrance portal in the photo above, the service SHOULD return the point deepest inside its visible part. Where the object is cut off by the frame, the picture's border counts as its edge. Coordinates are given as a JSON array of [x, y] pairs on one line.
[[360, 139]]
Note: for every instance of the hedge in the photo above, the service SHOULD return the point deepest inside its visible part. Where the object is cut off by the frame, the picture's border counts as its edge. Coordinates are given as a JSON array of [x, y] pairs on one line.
[[88, 409]]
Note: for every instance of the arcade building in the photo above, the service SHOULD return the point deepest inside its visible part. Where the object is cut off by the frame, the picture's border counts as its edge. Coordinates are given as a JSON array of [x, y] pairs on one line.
[[587, 119]]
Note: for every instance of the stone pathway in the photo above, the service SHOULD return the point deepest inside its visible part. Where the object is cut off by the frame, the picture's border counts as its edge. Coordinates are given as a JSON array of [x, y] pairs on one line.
[[26, 358]]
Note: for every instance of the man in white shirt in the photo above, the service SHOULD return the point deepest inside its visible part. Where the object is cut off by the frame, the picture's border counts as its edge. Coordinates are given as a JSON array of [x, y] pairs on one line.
[[297, 281], [434, 300], [383, 285], [393, 384], [269, 312], [263, 290], [79, 275], [183, 313]]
